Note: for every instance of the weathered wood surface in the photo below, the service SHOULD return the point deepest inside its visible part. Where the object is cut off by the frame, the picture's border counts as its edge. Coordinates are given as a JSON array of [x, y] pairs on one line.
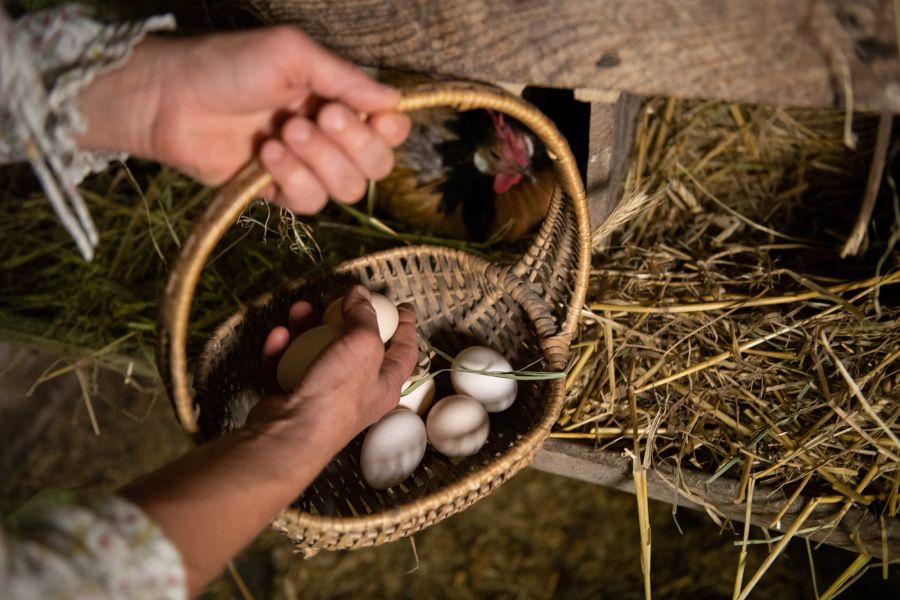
[[788, 52], [27, 408], [610, 142], [581, 461]]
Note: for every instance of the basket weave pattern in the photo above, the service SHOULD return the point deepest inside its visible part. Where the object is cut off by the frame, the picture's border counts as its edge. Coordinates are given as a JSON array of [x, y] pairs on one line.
[[527, 311]]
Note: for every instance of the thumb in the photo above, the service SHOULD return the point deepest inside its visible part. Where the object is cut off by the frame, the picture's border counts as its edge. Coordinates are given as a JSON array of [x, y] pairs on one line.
[[334, 78], [358, 311]]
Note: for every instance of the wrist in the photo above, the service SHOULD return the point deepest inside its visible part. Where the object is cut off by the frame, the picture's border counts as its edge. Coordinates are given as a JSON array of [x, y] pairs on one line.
[[120, 106], [290, 430]]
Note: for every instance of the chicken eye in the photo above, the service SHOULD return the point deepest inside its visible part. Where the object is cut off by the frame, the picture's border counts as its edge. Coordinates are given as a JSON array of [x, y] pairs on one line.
[[481, 162]]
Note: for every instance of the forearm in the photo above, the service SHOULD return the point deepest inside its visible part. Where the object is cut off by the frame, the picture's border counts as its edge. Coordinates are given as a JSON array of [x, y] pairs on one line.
[[213, 501]]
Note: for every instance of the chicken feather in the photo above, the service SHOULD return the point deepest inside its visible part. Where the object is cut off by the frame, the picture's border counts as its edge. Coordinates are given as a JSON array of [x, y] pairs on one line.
[[446, 180]]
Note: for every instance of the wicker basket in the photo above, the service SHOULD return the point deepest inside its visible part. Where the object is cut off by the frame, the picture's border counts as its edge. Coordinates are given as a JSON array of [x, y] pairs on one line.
[[528, 310]]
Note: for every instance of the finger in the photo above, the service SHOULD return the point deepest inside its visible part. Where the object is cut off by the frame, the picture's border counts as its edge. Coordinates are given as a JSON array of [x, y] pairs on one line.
[[358, 140], [301, 317], [334, 170], [392, 127], [402, 351], [358, 311], [301, 190], [273, 347]]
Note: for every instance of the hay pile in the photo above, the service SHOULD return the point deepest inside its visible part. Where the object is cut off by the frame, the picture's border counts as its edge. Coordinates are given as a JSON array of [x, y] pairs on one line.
[[724, 315]]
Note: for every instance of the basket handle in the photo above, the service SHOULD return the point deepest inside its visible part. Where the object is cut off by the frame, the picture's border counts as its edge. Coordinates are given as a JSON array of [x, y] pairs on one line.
[[236, 195]]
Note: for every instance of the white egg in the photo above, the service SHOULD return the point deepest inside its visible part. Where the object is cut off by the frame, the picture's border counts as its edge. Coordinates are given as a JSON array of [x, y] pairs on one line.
[[420, 398], [385, 313], [392, 448], [495, 393], [458, 426], [301, 353]]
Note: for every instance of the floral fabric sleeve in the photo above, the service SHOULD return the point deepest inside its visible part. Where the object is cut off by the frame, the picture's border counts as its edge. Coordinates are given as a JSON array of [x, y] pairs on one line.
[[103, 548], [46, 58]]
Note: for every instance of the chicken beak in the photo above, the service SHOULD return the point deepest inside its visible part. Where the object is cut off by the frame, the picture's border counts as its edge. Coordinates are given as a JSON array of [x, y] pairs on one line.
[[527, 173]]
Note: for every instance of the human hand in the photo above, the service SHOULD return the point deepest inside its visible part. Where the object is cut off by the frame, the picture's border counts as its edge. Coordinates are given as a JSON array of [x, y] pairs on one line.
[[212, 501], [351, 384], [207, 105]]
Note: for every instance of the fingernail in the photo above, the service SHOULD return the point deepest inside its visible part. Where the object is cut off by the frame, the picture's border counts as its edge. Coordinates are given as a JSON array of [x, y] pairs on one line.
[[273, 152], [407, 307], [363, 292], [300, 131], [297, 179], [335, 119]]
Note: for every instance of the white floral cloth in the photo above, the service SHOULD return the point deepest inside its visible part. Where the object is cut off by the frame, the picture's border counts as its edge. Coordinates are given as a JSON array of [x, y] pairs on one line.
[[46, 58], [100, 548]]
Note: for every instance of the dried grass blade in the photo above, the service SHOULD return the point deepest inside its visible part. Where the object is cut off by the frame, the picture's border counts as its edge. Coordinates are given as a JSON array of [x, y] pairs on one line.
[[855, 567], [854, 388], [779, 547], [239, 581], [629, 207], [742, 559]]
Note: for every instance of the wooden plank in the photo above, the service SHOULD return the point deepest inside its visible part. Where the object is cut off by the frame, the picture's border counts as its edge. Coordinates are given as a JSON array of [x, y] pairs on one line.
[[583, 462], [774, 51], [26, 412], [610, 142]]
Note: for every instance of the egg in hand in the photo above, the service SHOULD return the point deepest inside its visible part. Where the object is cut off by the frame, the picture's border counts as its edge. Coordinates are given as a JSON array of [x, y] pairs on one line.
[[300, 354], [385, 313]]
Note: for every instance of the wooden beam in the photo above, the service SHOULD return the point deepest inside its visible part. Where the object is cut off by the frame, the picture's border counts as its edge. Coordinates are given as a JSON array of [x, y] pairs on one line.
[[772, 51], [610, 140], [582, 461]]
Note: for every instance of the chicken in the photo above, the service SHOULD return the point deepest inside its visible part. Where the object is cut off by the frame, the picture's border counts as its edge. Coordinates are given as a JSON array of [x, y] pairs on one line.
[[470, 175]]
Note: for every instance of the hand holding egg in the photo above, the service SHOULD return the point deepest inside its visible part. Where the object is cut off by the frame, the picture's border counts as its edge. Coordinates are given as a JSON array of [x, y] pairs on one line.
[[302, 352], [457, 426], [304, 349], [350, 384]]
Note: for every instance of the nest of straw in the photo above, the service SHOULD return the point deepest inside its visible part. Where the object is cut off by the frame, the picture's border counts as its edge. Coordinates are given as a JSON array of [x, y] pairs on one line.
[[723, 328]]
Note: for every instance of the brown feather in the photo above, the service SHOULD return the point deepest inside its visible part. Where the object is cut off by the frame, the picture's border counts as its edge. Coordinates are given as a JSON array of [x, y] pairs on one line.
[[524, 206], [410, 194]]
